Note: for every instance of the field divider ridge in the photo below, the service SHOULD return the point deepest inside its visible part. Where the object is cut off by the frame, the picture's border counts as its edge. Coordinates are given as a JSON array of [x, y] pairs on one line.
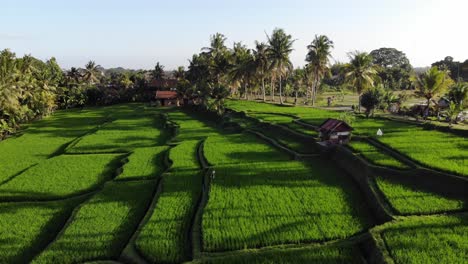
[[130, 253], [195, 232]]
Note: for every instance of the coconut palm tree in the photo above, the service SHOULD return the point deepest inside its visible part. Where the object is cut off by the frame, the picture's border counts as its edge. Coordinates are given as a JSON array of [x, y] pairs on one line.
[[243, 67], [361, 73], [158, 72], [261, 63], [179, 73], [459, 94], [318, 58], [431, 83], [217, 46], [279, 47], [91, 72]]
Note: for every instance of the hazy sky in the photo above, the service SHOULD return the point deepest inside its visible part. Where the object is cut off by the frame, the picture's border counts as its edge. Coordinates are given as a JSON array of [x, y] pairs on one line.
[[137, 33]]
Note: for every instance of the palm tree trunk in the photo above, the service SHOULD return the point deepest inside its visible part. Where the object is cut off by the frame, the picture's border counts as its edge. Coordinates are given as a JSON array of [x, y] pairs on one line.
[[359, 102], [280, 90], [263, 89], [295, 97], [272, 90]]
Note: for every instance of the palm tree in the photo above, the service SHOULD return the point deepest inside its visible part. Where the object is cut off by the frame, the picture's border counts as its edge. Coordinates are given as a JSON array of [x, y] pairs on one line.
[[261, 63], [91, 72], [158, 72], [179, 74], [430, 84], [218, 54], [361, 73], [279, 47], [459, 93], [243, 67], [74, 76], [217, 46], [318, 58]]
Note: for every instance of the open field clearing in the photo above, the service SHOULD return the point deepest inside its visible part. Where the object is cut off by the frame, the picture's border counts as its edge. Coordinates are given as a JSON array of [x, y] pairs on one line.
[[240, 148], [164, 238], [62, 176], [26, 227], [144, 163], [407, 198], [299, 146], [376, 156], [135, 129], [323, 255], [102, 225], [429, 239], [44, 138], [184, 156], [431, 148], [257, 196], [263, 204], [189, 127]]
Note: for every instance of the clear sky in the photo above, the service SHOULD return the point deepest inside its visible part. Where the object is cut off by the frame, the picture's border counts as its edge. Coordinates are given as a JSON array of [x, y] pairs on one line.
[[138, 33]]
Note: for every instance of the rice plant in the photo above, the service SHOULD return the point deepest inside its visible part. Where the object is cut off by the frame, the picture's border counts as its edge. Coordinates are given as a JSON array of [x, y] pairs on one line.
[[262, 204], [26, 228], [429, 239], [62, 176], [144, 163], [408, 198], [102, 226]]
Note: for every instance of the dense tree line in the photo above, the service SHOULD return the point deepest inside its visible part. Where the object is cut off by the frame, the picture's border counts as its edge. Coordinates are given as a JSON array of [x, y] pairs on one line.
[[30, 88]]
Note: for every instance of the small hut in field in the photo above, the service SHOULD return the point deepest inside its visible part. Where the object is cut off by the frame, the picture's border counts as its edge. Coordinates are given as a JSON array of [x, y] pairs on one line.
[[166, 98], [334, 131]]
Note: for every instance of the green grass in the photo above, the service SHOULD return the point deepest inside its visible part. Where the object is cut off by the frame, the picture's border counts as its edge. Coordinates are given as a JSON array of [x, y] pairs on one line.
[[136, 130], [144, 163], [191, 128], [430, 239], [25, 228], [263, 204], [322, 255], [302, 129], [164, 238], [289, 141], [102, 226], [407, 198], [62, 176], [184, 156], [376, 156], [240, 148], [439, 150], [44, 138]]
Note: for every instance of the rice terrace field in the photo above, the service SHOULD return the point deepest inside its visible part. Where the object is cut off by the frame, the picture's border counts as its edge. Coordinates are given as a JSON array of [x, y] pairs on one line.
[[134, 183]]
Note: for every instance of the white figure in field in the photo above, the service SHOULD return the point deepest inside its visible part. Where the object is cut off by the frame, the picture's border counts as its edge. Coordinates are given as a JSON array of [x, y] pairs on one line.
[[379, 132]]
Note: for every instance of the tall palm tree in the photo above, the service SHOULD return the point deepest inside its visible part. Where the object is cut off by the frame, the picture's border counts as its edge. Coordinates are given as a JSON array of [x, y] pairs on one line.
[[431, 83], [261, 63], [279, 47], [218, 54], [158, 72], [243, 67], [179, 73], [91, 72], [217, 46], [318, 58], [361, 73]]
